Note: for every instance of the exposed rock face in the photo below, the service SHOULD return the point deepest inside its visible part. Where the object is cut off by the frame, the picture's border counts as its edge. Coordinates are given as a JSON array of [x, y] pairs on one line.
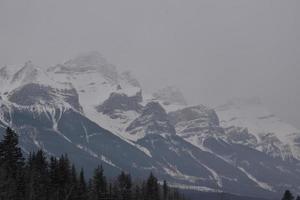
[[35, 94], [31, 94], [271, 145], [200, 113], [240, 135], [153, 120], [120, 102], [196, 123]]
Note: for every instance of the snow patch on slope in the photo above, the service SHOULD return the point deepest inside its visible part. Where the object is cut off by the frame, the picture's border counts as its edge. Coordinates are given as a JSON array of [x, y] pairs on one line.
[[95, 155], [174, 172], [118, 126], [251, 114], [192, 187], [262, 185]]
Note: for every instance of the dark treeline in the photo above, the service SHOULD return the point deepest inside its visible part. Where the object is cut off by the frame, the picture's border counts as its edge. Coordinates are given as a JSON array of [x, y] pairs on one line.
[[289, 196], [39, 178]]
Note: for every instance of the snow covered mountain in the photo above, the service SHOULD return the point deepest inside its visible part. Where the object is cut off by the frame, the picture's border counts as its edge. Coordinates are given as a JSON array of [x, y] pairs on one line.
[[85, 107], [269, 134], [170, 95], [201, 127]]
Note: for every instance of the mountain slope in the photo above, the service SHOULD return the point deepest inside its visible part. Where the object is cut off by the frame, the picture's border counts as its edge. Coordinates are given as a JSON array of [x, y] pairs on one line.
[[200, 126], [272, 135], [86, 108]]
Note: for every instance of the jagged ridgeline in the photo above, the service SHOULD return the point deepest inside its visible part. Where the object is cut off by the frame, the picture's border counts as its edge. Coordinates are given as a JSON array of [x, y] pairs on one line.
[[39, 177], [91, 111]]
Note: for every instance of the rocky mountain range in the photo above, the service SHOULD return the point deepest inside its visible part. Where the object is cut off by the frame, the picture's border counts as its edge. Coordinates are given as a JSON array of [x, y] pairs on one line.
[[86, 108]]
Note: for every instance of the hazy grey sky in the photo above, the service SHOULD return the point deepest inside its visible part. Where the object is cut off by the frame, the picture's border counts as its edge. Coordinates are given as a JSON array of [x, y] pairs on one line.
[[212, 50]]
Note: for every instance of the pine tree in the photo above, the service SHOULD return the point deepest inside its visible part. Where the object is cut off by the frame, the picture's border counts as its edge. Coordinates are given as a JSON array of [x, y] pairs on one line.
[[176, 195], [110, 191], [37, 177], [82, 187], [99, 183], [165, 190], [287, 195], [73, 187], [11, 167], [152, 188], [125, 185], [137, 193], [144, 191], [53, 179], [64, 177], [90, 192]]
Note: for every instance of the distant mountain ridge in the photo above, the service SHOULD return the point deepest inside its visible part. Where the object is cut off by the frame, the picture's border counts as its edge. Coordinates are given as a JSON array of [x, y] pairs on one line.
[[85, 107]]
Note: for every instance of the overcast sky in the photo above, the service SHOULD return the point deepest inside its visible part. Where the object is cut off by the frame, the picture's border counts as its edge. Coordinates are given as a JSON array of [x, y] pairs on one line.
[[212, 50]]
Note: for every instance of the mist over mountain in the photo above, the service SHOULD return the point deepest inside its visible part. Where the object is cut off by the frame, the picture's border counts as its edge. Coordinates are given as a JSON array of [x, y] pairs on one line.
[[95, 113], [213, 51], [203, 94]]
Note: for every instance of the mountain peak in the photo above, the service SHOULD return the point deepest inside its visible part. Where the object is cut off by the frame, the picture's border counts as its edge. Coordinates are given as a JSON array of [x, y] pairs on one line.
[[92, 58], [154, 108], [169, 95], [153, 120], [27, 73], [127, 76], [29, 63]]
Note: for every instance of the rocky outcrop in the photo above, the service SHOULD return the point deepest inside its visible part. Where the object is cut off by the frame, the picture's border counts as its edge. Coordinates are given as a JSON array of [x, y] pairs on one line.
[[36, 94], [153, 120], [118, 102], [196, 123]]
